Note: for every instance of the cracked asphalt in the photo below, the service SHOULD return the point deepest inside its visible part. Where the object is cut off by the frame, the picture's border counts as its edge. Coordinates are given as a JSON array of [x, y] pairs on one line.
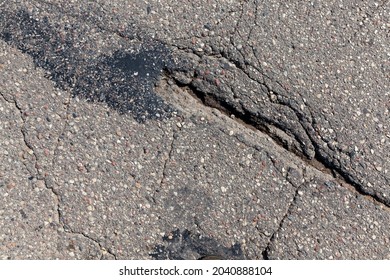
[[183, 129]]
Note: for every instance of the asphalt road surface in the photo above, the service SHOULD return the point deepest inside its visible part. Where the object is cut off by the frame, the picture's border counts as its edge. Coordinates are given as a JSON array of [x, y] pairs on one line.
[[186, 129]]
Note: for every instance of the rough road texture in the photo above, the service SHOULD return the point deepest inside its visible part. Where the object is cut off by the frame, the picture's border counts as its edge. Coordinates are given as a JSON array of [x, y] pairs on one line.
[[175, 130]]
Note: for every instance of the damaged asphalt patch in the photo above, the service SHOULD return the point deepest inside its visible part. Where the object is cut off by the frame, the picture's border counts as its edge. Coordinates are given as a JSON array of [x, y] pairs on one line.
[[124, 80], [259, 128]]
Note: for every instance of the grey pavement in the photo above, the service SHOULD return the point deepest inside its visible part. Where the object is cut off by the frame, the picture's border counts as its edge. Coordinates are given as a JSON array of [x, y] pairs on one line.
[[182, 129]]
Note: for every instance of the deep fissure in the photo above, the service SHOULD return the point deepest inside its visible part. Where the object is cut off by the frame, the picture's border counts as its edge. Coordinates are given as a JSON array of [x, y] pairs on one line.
[[319, 162]]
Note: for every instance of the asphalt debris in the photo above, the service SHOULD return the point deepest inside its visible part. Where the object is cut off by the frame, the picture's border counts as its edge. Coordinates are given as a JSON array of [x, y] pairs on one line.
[[181, 245]]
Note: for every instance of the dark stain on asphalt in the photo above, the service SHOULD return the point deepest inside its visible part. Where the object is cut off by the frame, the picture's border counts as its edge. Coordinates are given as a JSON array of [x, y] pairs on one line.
[[178, 245], [124, 80]]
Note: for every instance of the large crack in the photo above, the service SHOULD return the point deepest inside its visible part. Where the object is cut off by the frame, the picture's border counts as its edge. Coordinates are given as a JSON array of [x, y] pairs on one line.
[[275, 97], [262, 122], [320, 160], [321, 156], [245, 118]]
